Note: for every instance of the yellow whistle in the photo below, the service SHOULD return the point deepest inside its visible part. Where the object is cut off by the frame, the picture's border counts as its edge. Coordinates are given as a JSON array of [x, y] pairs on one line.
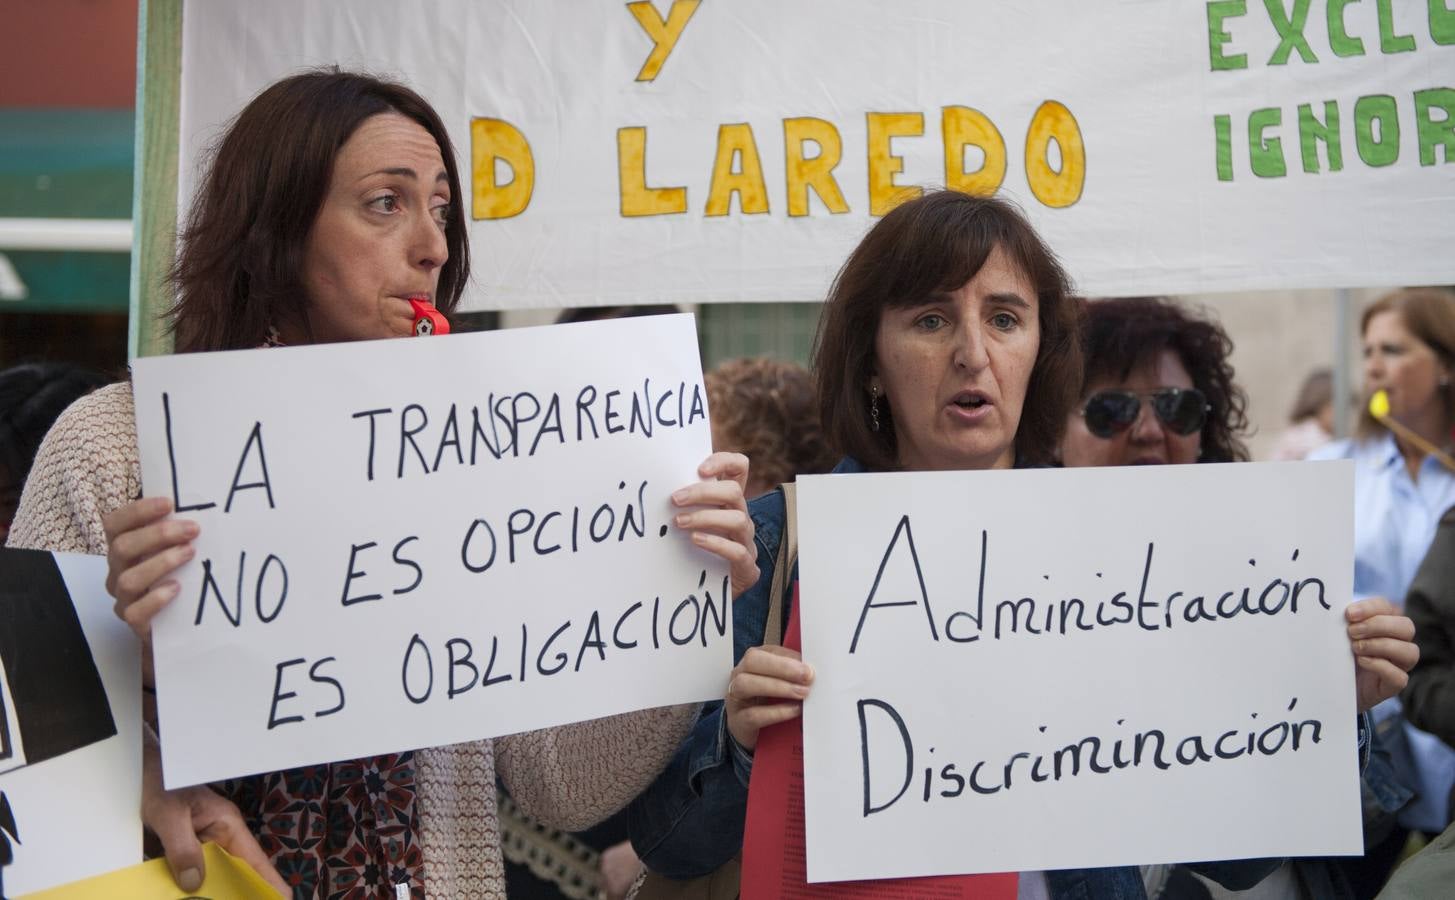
[[1379, 405], [1379, 409]]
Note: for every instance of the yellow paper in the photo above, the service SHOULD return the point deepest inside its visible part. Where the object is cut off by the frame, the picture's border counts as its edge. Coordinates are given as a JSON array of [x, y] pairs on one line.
[[228, 878]]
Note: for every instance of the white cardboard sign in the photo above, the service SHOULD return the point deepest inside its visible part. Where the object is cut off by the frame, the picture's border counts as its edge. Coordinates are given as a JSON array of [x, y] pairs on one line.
[[677, 151], [1056, 669], [410, 543], [70, 733]]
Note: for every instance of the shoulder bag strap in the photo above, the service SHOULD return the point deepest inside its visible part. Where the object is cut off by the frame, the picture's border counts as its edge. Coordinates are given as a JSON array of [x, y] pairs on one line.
[[782, 567]]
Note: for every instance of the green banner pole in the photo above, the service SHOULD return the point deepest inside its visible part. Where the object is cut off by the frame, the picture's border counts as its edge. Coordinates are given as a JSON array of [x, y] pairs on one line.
[[154, 198]]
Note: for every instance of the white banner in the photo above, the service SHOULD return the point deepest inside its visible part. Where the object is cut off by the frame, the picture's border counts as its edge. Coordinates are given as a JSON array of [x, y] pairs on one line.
[[677, 151], [1054, 669], [410, 543]]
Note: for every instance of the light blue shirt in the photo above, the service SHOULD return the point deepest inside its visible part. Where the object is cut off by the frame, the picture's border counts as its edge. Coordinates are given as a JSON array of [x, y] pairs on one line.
[[1394, 515], [1394, 523]]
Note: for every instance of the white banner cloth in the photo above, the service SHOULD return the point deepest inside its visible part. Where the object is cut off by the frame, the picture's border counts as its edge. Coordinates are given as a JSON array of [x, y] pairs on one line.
[[737, 151]]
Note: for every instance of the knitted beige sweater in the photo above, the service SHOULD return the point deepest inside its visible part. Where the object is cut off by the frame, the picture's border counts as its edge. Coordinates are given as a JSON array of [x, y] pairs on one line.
[[570, 777]]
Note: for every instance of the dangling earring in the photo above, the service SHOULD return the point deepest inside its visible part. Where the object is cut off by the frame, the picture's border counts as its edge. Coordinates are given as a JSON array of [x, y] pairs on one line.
[[874, 407]]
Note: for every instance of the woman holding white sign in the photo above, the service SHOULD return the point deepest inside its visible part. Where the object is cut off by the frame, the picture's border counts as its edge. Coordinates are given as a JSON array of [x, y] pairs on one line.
[[1159, 389], [949, 342], [331, 213]]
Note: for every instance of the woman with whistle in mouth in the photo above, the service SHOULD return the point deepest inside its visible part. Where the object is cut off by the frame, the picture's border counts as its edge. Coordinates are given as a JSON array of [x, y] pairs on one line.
[[1400, 492], [330, 212]]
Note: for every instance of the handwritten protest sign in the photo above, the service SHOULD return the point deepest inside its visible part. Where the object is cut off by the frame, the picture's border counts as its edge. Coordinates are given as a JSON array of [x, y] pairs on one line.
[[1055, 669], [70, 727], [673, 150], [411, 543]]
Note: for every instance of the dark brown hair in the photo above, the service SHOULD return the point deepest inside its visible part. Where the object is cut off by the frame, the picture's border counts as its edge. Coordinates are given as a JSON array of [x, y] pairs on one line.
[[934, 243], [239, 270], [1125, 334], [766, 410], [1428, 313]]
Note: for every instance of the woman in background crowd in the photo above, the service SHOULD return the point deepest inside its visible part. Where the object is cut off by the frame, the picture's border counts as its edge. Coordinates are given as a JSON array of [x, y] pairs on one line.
[[1400, 493], [1159, 389], [1311, 423], [331, 201]]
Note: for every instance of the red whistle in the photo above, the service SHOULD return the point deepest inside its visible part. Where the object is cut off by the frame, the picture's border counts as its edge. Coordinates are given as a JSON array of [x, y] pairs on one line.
[[427, 319]]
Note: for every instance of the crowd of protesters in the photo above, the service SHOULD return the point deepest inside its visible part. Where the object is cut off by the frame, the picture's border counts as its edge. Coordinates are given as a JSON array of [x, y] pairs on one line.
[[950, 340]]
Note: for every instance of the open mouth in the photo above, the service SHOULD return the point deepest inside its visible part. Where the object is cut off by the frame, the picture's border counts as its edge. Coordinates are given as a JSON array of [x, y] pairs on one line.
[[970, 400]]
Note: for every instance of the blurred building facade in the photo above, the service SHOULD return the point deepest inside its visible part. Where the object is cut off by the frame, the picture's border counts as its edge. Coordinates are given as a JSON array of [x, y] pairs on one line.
[[67, 93]]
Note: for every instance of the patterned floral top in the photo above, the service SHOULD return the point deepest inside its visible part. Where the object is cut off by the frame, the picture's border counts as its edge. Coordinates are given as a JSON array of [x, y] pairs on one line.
[[340, 831]]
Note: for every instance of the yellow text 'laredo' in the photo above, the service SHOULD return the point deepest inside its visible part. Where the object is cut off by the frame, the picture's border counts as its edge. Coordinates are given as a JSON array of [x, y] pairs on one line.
[[1053, 156]]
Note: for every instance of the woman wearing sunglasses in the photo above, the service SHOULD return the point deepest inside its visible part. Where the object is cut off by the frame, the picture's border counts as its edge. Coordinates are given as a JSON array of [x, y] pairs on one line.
[[1158, 389]]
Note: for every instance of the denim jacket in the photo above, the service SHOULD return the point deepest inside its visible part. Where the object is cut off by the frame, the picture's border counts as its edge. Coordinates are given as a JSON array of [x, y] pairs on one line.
[[690, 820]]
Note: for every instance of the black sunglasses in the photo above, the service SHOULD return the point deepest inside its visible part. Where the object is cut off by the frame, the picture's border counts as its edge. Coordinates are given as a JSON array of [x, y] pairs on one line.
[[1183, 411]]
